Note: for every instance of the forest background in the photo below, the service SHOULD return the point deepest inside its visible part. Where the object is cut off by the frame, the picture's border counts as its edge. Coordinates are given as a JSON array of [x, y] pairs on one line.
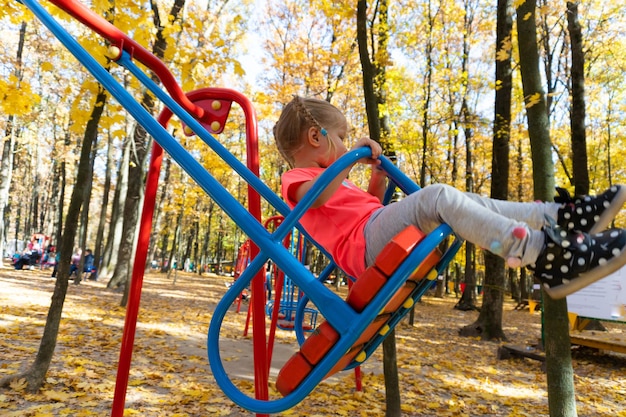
[[294, 47], [438, 102]]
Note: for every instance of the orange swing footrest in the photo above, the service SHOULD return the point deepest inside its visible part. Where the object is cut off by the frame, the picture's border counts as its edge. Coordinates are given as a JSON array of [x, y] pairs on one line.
[[324, 337]]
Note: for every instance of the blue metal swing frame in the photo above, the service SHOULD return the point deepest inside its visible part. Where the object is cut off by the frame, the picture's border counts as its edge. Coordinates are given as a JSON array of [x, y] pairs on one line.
[[344, 319]]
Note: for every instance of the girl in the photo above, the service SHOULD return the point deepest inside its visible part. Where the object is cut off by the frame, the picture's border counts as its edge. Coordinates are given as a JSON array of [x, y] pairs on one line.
[[565, 254]]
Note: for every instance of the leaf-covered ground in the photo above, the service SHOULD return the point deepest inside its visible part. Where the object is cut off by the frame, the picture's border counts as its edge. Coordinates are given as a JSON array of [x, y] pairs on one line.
[[441, 373]]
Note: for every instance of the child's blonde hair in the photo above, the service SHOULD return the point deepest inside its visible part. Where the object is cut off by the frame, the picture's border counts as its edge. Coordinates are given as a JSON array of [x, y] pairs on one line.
[[297, 117]]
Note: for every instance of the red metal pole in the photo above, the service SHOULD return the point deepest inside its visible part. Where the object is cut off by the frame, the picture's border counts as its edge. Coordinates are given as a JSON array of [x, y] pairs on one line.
[[261, 366], [134, 296]]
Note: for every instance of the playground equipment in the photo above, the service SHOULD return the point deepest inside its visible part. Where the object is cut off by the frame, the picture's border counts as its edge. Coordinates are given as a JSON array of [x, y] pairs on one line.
[[242, 261], [287, 296], [353, 328], [282, 309]]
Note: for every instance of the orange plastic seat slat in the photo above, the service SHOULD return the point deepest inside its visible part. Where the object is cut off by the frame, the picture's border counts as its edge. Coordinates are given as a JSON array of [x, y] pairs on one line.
[[345, 360], [398, 249], [426, 266], [365, 288], [319, 342], [372, 329], [400, 297], [292, 373]]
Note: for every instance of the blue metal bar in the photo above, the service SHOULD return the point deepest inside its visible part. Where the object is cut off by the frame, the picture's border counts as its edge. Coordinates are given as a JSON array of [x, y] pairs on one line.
[[300, 337], [239, 167]]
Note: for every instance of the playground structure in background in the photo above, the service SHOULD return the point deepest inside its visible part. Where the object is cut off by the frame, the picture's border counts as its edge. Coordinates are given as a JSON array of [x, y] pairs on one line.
[[282, 309], [287, 295], [352, 329]]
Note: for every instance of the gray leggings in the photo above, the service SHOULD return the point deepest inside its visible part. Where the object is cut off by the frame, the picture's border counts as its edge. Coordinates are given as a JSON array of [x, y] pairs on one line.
[[486, 222]]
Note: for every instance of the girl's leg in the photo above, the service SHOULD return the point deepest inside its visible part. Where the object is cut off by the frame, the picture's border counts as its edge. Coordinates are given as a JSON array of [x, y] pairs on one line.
[[563, 257], [590, 214], [485, 222], [532, 213]]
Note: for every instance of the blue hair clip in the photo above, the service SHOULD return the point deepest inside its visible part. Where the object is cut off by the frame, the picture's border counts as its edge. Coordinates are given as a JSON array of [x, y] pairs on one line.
[[323, 132]]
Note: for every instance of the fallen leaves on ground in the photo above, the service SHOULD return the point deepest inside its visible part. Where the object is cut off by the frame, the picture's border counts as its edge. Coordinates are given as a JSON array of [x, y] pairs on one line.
[[441, 373]]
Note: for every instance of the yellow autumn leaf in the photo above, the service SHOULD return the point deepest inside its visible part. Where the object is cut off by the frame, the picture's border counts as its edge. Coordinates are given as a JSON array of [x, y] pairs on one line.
[[47, 66], [491, 370], [532, 100], [18, 384], [57, 395], [502, 55], [136, 382], [91, 374]]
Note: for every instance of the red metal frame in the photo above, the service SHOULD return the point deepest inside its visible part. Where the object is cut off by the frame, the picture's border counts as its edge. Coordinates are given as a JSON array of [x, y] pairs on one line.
[[119, 39], [195, 103], [261, 368]]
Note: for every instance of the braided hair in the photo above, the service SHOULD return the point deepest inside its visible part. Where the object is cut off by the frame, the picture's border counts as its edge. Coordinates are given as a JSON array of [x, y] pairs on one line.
[[300, 114]]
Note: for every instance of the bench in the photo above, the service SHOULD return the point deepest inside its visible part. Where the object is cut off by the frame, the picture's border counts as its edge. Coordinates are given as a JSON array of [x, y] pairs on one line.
[[533, 302]]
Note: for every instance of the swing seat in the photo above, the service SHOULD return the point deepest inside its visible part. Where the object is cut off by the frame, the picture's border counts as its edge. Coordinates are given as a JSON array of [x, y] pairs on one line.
[[373, 279], [287, 314]]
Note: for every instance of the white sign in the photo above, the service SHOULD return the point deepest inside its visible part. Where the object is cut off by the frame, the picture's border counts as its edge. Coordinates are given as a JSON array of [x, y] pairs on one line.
[[604, 299]]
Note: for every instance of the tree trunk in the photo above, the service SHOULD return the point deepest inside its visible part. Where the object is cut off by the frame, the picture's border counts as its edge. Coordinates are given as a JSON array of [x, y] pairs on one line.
[[173, 265], [35, 375], [166, 261], [207, 233], [393, 400], [130, 212], [468, 295], [425, 113], [524, 285], [374, 90], [63, 184], [136, 170], [98, 249], [115, 226], [427, 95], [6, 174], [6, 165], [580, 171], [154, 243], [369, 71], [488, 325], [524, 281], [84, 217], [561, 396]]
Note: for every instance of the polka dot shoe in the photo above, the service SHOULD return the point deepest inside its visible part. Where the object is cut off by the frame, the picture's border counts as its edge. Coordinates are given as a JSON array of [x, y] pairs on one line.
[[571, 260], [589, 214]]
